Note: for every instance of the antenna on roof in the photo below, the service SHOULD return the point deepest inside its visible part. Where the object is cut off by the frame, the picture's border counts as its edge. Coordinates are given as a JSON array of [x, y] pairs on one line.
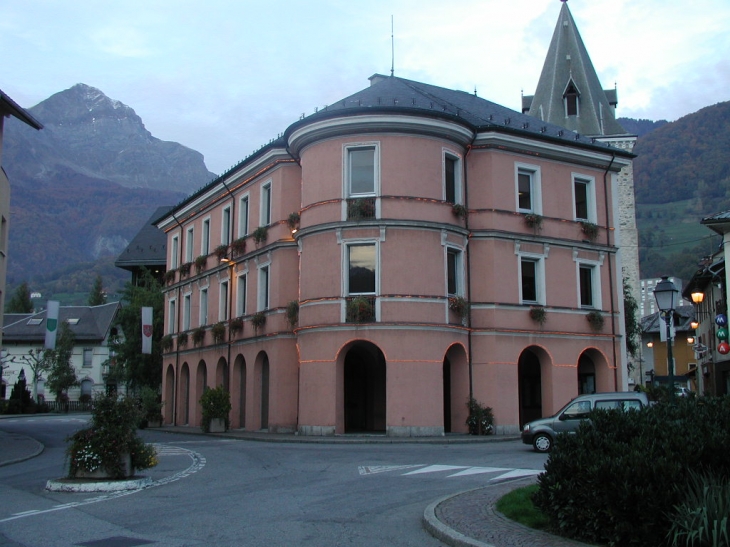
[[392, 48]]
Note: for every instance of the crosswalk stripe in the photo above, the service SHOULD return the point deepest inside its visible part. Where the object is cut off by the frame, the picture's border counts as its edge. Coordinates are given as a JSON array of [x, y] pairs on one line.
[[478, 471], [436, 469]]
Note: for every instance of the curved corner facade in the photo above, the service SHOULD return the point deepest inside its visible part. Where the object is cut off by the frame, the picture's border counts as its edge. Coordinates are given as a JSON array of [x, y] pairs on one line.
[[372, 270]]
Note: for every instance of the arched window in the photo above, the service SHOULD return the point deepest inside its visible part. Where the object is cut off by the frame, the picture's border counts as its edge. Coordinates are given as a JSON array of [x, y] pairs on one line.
[[570, 97]]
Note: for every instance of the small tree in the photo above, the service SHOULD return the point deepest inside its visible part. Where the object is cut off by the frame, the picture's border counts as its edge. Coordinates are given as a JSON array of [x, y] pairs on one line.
[[20, 302], [633, 330], [97, 297], [62, 375], [37, 360]]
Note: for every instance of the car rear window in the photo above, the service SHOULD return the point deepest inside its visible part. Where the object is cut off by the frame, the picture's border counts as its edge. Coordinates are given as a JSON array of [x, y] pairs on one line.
[[632, 404]]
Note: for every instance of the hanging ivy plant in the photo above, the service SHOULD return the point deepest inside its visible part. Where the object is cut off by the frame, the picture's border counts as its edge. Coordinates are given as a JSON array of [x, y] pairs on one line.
[[589, 229], [260, 234], [258, 320], [459, 210], [595, 318], [292, 313], [198, 336], [534, 221], [218, 331], [538, 314]]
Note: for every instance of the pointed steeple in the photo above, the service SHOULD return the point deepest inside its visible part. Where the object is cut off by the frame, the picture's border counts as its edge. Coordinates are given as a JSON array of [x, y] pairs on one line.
[[569, 92]]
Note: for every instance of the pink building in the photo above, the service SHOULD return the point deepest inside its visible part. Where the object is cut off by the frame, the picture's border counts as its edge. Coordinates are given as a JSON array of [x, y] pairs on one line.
[[359, 235]]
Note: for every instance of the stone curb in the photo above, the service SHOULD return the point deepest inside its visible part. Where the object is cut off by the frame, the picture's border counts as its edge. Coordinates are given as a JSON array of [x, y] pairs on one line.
[[445, 533], [70, 485], [39, 448]]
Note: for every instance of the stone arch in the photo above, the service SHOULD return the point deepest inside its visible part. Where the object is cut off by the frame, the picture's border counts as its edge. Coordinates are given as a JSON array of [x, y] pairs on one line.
[[238, 392], [361, 388], [455, 388], [201, 382], [169, 396], [594, 371], [221, 373], [184, 395], [533, 382], [262, 390]]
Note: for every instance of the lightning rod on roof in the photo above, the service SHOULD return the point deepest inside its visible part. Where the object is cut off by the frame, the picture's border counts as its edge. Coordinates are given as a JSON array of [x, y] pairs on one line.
[[392, 48]]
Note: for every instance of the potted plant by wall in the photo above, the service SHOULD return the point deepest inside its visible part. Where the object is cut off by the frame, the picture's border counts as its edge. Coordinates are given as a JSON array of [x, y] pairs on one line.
[[459, 306], [260, 234], [538, 314], [235, 325], [534, 221], [292, 313], [459, 210], [360, 310], [218, 331], [166, 342], [198, 336], [151, 407], [200, 263], [258, 320], [239, 246], [110, 448], [359, 208], [216, 406], [589, 229], [293, 222], [481, 419], [595, 318], [182, 339], [169, 276], [185, 268], [221, 251]]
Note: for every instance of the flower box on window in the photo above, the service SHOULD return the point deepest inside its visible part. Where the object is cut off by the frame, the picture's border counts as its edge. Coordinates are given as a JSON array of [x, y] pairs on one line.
[[360, 208], [361, 309]]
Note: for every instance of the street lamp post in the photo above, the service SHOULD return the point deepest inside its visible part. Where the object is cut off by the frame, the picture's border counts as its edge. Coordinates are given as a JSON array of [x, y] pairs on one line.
[[666, 295]]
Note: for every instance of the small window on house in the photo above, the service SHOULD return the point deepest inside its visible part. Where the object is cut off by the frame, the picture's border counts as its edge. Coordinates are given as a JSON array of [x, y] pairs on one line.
[[203, 307], [88, 356], [526, 190], [453, 272], [586, 281], [186, 312], [266, 204], [171, 316], [452, 178], [189, 244], [243, 217], [361, 170], [73, 321], [571, 100], [35, 321], [223, 302], [174, 247], [584, 200], [264, 281], [528, 279], [205, 241], [241, 296], [226, 226], [361, 267]]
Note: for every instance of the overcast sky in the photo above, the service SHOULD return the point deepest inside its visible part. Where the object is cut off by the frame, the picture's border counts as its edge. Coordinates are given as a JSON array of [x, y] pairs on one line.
[[225, 76]]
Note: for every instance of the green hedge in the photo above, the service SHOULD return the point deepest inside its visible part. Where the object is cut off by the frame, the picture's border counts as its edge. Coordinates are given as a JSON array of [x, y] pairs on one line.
[[619, 478]]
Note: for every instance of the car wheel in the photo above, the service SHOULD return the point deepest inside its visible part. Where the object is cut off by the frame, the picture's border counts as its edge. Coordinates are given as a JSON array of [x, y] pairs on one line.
[[542, 443]]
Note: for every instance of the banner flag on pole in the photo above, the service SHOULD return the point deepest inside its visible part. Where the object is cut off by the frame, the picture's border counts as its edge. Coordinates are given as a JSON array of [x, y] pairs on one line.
[[51, 323], [147, 330]]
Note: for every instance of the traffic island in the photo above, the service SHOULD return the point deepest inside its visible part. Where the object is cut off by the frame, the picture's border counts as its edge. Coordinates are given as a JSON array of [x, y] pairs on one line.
[[97, 485]]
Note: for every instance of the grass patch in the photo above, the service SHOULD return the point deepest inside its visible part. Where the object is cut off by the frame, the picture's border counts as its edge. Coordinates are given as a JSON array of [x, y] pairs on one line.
[[518, 506]]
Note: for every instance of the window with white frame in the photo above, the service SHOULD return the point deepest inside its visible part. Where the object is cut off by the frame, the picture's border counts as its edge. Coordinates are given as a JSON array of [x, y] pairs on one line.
[[361, 170], [264, 286], [226, 226], [454, 272], [189, 244], [186, 312], [527, 180], [88, 357], [361, 268], [587, 286], [203, 319], [584, 198], [205, 239], [530, 280], [241, 295], [452, 178], [223, 302], [571, 98], [174, 249], [171, 316], [266, 204], [243, 216]]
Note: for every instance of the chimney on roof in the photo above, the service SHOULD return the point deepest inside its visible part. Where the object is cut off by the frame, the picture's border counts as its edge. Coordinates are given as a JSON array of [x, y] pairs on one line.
[[376, 78]]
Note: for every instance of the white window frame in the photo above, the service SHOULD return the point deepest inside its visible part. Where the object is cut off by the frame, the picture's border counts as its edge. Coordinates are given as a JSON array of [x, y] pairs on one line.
[[458, 193], [596, 303], [241, 290], [174, 250], [346, 265], [346, 149], [224, 291], [535, 187], [189, 243], [171, 313], [203, 312], [187, 305], [244, 210], [226, 226], [539, 262], [205, 237], [90, 353], [590, 183], [267, 194], [264, 287], [459, 267]]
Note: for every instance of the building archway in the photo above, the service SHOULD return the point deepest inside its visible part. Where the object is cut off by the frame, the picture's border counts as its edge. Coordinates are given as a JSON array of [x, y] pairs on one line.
[[201, 382], [169, 394], [262, 371], [364, 389], [221, 374], [184, 394], [594, 372], [455, 389], [238, 395], [529, 371], [586, 375]]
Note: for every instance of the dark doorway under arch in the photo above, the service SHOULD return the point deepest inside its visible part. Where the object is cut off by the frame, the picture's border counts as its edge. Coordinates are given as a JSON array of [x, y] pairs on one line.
[[530, 387], [364, 389], [447, 394], [586, 375]]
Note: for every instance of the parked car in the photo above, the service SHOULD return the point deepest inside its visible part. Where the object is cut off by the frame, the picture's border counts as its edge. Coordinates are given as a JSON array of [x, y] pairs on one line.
[[541, 434]]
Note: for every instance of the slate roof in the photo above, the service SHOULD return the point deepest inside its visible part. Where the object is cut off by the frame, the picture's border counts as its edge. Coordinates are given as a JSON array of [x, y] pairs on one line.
[[568, 60], [683, 316], [719, 222], [8, 107], [94, 323], [148, 248]]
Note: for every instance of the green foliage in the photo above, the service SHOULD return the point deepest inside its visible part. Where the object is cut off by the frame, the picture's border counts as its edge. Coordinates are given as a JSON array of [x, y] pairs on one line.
[[595, 319], [215, 403], [517, 505], [111, 435], [258, 320], [538, 314], [198, 336], [21, 400], [633, 328], [481, 419], [135, 368], [360, 310], [61, 375], [260, 234], [218, 331], [617, 479], [459, 306], [151, 404], [97, 296], [703, 516], [292, 313], [20, 301]]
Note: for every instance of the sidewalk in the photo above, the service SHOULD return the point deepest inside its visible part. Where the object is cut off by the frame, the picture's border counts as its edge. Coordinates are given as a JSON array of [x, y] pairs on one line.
[[465, 519]]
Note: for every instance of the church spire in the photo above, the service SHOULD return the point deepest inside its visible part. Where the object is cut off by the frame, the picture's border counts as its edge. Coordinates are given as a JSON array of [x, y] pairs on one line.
[[569, 92]]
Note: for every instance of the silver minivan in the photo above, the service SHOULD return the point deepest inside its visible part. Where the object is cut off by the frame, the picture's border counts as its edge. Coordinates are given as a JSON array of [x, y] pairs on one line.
[[541, 434]]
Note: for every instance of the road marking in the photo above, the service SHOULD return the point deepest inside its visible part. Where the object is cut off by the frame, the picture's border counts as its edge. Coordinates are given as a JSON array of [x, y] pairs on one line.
[[505, 473], [373, 469]]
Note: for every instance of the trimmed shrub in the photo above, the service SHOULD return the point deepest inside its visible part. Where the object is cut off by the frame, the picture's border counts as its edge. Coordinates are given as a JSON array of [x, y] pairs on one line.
[[617, 480], [703, 517]]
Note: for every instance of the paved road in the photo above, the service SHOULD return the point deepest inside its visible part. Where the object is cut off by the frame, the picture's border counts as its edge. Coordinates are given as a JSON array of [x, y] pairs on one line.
[[233, 492]]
